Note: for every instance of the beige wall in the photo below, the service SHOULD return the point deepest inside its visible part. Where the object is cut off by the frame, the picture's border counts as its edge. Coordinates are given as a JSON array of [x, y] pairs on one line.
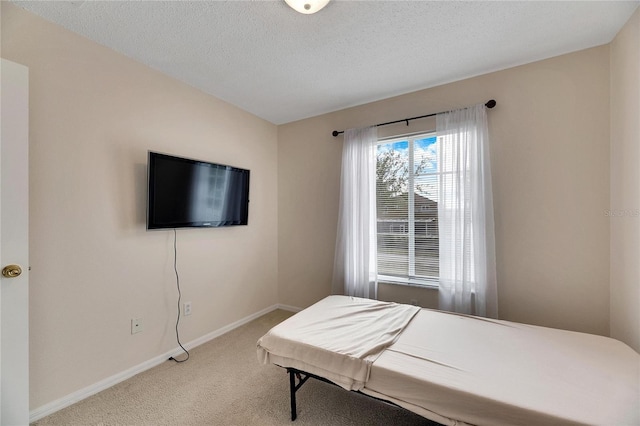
[[94, 114], [550, 155], [625, 184]]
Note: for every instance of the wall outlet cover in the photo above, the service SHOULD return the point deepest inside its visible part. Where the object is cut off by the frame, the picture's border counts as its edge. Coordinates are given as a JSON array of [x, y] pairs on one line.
[[136, 325]]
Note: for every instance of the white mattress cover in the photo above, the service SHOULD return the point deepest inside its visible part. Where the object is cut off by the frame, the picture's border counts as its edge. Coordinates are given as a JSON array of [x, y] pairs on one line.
[[457, 369], [337, 338]]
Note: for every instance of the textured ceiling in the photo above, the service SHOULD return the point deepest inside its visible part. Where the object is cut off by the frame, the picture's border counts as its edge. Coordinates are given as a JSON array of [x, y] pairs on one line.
[[284, 66]]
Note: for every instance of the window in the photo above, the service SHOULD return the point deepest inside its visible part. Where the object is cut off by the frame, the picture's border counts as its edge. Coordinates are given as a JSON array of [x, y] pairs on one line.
[[407, 178]]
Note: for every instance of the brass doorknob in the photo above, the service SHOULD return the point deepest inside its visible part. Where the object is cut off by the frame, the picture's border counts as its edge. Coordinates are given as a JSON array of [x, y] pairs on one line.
[[11, 271]]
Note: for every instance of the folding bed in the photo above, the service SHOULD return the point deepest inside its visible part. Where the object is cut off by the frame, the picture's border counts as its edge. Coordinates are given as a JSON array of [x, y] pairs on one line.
[[458, 369]]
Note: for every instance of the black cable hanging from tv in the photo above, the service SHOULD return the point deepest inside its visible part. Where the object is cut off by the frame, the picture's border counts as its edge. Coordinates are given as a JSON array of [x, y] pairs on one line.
[[490, 104], [175, 268]]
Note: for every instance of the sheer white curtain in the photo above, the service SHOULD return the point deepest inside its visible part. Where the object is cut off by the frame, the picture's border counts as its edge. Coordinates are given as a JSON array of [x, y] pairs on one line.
[[465, 214], [354, 271]]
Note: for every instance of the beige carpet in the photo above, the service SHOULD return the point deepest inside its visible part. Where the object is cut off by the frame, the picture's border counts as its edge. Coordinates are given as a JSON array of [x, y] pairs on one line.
[[223, 384]]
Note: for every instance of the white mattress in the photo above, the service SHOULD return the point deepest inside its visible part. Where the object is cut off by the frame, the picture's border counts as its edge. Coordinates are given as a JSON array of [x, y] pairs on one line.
[[457, 369], [337, 338]]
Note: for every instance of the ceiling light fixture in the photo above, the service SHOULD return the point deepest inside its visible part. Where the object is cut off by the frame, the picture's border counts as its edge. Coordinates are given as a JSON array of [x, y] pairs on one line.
[[307, 6]]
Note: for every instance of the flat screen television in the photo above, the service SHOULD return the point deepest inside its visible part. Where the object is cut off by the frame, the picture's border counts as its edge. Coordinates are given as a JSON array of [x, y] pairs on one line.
[[186, 193]]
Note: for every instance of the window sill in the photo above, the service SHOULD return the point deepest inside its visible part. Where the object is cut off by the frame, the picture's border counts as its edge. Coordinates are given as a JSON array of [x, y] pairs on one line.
[[410, 282]]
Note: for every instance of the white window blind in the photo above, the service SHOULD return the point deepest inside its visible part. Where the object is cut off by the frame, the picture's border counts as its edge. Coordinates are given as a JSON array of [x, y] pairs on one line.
[[407, 178]]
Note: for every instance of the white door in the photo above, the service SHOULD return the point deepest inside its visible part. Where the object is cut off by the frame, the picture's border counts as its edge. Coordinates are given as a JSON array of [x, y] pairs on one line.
[[14, 244]]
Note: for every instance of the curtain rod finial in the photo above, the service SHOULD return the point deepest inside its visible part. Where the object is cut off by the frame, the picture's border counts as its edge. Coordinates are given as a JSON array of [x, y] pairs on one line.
[[490, 104], [335, 133]]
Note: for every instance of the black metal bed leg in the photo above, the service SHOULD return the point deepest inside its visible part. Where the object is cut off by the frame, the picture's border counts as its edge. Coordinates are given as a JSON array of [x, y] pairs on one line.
[[303, 376], [292, 390]]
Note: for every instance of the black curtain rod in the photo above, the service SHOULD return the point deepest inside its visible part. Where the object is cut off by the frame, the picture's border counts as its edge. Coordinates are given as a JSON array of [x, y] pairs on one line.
[[489, 104]]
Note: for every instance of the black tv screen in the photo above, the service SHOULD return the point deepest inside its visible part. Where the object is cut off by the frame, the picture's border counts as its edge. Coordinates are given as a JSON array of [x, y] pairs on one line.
[[189, 193]]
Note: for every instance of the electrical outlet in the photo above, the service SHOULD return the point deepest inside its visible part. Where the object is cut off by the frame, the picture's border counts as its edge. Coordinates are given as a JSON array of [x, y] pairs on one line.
[[187, 308], [136, 325]]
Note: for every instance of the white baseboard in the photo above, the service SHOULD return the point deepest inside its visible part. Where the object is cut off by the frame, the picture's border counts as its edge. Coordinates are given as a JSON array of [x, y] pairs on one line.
[[288, 308], [227, 328], [81, 394]]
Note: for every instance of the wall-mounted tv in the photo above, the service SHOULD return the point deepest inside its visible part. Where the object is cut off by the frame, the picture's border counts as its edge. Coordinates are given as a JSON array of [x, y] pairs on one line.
[[187, 193]]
